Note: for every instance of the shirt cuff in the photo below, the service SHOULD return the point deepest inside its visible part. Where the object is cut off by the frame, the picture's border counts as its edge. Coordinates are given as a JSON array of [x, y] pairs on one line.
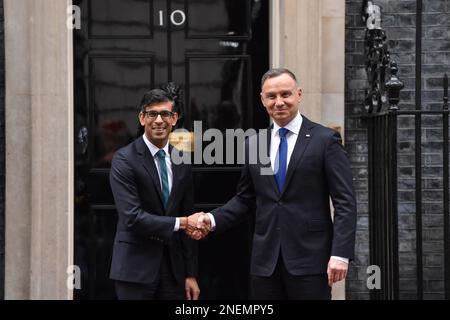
[[340, 259], [213, 221], [177, 224]]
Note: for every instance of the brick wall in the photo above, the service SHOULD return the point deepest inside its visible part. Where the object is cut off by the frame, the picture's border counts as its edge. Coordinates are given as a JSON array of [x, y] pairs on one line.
[[399, 22], [356, 144]]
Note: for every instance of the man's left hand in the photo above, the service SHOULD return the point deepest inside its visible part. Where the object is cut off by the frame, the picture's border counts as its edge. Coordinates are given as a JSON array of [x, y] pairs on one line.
[[192, 289], [337, 271]]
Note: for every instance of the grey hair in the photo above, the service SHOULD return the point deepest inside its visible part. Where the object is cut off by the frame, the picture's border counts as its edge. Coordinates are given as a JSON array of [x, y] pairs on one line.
[[272, 73]]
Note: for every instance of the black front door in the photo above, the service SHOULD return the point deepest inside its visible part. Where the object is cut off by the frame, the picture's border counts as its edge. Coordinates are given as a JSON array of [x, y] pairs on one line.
[[216, 51]]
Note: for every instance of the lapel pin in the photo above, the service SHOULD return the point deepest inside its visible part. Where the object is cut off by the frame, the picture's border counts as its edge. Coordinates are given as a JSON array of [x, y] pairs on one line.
[[308, 135]]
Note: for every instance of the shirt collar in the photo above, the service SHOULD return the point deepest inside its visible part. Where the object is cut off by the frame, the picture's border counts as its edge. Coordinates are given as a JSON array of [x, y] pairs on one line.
[[293, 126], [154, 149]]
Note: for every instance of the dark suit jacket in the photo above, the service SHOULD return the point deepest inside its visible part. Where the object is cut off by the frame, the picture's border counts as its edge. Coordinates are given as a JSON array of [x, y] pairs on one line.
[[144, 227], [298, 219]]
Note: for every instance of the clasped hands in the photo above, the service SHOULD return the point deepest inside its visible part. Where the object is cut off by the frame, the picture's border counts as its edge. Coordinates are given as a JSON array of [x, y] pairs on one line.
[[197, 226]]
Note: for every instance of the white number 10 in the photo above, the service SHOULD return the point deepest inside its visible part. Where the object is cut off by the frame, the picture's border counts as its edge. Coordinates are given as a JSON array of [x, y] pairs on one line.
[[177, 17]]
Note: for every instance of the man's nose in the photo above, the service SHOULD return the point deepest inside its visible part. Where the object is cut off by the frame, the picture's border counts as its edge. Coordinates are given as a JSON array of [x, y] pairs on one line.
[[159, 119], [279, 101]]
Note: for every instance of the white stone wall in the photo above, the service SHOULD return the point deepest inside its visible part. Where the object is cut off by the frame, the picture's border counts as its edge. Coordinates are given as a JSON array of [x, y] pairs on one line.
[[39, 149], [308, 37]]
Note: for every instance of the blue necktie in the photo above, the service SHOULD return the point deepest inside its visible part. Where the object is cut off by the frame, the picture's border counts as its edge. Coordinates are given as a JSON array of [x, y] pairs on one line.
[[281, 159], [163, 172]]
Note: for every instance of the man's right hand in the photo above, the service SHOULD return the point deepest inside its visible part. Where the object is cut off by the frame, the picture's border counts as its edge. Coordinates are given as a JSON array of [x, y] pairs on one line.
[[204, 223], [198, 225]]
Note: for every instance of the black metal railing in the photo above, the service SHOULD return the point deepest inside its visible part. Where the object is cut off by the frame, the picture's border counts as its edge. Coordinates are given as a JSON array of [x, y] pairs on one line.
[[382, 125], [383, 216], [383, 211]]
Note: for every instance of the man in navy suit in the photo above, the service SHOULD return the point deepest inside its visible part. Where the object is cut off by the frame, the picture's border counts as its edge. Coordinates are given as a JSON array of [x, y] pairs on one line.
[[152, 257], [298, 251]]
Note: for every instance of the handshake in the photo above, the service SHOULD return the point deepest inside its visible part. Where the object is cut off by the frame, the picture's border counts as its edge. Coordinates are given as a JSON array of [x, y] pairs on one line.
[[197, 226]]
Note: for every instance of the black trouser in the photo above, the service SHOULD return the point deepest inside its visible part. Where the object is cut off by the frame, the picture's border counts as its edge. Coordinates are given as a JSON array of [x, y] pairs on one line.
[[165, 286], [282, 285]]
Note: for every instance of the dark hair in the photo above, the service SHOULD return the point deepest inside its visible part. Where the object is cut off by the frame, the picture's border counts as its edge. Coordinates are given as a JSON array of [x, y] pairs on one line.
[[176, 93], [272, 73], [156, 96]]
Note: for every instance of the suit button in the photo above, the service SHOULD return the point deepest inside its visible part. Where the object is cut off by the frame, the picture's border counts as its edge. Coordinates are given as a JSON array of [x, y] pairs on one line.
[[278, 229]]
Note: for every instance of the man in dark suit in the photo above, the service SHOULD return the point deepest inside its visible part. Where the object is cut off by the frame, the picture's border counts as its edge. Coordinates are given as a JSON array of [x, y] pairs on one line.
[[298, 252], [152, 257]]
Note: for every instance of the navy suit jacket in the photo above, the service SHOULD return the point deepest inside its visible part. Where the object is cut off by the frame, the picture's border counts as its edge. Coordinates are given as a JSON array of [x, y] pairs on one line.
[[144, 226], [297, 221]]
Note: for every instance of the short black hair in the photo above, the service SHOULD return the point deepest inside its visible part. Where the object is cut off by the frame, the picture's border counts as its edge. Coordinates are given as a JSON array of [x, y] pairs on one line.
[[272, 73], [156, 96]]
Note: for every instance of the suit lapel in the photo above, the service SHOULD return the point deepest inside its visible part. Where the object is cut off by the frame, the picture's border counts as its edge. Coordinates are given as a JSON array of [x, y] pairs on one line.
[[149, 165], [271, 177], [177, 170], [303, 139]]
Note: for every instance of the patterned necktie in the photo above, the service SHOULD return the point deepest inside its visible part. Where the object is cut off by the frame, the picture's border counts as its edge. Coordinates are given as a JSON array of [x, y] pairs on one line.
[[161, 154], [281, 159]]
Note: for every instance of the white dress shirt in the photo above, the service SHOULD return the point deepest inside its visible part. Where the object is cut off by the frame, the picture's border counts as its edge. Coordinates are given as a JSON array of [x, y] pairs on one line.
[[153, 150], [291, 138]]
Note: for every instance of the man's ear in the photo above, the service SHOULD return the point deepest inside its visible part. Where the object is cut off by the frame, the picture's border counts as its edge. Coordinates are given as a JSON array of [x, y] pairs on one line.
[[300, 94], [174, 119], [141, 117]]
